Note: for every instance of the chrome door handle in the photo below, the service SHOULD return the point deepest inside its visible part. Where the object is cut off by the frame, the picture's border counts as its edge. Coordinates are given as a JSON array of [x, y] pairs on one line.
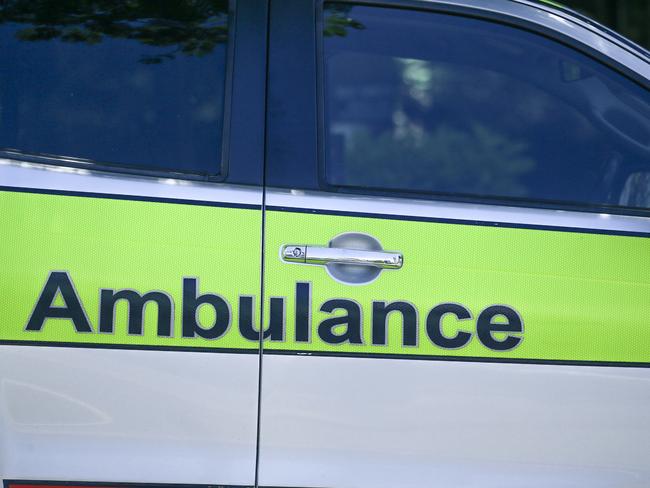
[[332, 255]]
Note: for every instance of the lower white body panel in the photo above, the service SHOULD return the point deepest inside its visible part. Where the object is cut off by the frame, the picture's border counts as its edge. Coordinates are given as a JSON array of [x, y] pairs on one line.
[[120, 415], [352, 422]]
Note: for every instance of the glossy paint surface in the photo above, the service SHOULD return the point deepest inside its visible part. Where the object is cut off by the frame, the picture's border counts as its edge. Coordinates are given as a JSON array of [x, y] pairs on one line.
[[146, 416], [185, 417], [353, 422], [136, 416], [359, 422]]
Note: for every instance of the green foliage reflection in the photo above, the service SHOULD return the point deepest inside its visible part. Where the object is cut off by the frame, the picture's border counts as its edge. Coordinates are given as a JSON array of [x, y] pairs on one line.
[[338, 21], [190, 27], [476, 161]]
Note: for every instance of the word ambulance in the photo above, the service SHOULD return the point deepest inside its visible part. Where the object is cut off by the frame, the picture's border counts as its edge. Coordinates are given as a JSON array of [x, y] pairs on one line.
[[497, 327]]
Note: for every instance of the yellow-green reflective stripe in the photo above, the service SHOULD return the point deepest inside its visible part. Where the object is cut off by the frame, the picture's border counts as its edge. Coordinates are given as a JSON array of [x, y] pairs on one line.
[[121, 244], [582, 297]]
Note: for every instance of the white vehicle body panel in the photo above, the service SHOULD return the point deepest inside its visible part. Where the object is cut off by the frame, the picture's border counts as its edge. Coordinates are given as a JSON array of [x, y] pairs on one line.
[[384, 423], [357, 422], [132, 416], [188, 417]]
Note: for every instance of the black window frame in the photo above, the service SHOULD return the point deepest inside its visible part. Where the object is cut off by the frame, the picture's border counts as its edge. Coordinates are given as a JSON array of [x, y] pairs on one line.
[[221, 167], [477, 14]]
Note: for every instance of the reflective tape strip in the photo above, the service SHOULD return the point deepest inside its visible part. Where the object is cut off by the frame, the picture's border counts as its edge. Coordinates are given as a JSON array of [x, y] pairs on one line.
[[465, 291], [103, 272], [115, 273]]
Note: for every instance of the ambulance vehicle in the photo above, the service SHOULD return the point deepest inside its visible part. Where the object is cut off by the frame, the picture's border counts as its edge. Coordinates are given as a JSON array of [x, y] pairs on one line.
[[322, 244]]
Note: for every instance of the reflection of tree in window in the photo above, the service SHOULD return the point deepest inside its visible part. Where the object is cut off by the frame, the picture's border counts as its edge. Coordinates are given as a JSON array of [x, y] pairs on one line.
[[429, 102], [139, 83], [189, 27], [413, 146], [338, 21]]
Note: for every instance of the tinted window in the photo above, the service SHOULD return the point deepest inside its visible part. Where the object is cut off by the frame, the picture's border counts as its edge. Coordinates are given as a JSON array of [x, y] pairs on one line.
[[138, 83], [434, 103]]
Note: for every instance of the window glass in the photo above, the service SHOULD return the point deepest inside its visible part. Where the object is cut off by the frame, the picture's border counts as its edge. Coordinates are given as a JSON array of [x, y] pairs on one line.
[[138, 83], [436, 103]]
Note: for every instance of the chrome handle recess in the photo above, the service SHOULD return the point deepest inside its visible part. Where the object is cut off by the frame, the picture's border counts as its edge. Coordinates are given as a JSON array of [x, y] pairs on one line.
[[332, 255]]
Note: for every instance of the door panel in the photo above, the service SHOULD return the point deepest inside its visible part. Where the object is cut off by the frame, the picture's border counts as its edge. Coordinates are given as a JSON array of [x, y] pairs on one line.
[[181, 405], [379, 422], [127, 415], [126, 245], [131, 225], [512, 346], [367, 414], [579, 296]]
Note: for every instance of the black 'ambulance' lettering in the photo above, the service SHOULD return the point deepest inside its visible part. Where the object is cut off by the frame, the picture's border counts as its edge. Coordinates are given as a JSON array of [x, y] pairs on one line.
[[191, 304], [434, 325], [303, 312], [275, 330], [136, 305], [380, 313], [485, 328], [58, 282], [498, 327], [352, 322]]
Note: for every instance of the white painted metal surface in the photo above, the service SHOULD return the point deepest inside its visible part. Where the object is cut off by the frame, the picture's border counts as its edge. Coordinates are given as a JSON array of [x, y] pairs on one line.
[[116, 415], [20, 174], [353, 422], [170, 417], [136, 416]]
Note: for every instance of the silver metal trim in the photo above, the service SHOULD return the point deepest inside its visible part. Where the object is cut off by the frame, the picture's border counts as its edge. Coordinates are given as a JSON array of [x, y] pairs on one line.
[[326, 255], [480, 213], [45, 177], [20, 174], [293, 254]]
